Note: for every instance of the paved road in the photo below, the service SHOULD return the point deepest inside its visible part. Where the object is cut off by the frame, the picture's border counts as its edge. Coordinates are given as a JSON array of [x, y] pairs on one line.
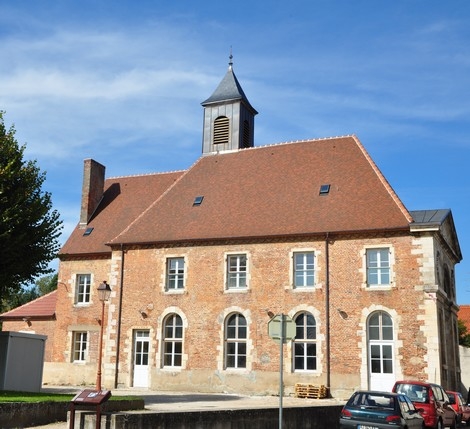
[[170, 401]]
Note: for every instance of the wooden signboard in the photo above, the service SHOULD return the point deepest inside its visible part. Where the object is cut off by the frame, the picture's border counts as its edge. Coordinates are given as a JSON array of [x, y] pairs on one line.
[[89, 397]]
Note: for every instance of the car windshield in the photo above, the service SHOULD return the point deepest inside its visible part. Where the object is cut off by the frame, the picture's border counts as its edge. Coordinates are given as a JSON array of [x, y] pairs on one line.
[[415, 392], [373, 399]]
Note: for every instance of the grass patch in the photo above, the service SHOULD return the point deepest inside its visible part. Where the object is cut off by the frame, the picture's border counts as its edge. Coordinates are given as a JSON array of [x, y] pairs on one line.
[[34, 397], [11, 396]]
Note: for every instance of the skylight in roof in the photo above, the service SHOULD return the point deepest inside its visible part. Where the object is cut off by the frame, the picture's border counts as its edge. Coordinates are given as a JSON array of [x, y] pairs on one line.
[[324, 189], [198, 200], [88, 231]]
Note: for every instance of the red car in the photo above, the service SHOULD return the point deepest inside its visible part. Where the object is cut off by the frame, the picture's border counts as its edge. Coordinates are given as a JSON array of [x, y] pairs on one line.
[[458, 404], [433, 401]]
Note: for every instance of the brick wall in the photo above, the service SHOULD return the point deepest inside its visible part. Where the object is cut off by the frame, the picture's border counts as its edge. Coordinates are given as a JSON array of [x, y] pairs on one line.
[[204, 305]]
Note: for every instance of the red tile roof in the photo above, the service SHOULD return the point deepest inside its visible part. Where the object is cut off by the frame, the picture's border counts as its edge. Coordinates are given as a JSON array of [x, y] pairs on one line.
[[124, 199], [464, 315], [256, 192], [41, 308], [274, 191]]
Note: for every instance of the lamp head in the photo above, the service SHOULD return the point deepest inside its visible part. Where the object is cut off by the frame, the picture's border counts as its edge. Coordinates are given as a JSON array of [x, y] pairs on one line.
[[104, 291]]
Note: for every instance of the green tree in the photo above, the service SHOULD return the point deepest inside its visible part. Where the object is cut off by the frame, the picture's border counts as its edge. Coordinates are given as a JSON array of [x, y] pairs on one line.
[[464, 335], [46, 284], [29, 227]]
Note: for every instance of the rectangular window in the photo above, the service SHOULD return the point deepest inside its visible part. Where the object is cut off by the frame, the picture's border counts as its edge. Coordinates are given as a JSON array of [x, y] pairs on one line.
[[236, 271], [378, 267], [83, 288], [80, 345], [175, 273], [304, 273]]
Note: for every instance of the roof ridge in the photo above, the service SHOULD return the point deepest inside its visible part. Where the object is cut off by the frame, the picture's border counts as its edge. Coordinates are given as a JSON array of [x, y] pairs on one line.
[[147, 174], [281, 144], [384, 181]]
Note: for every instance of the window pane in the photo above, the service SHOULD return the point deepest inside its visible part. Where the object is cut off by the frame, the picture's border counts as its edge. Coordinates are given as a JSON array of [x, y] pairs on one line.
[[175, 273], [80, 346], [236, 271], [303, 269], [305, 347], [387, 333], [235, 349], [388, 367], [378, 266], [172, 344], [387, 352], [374, 333], [83, 288]]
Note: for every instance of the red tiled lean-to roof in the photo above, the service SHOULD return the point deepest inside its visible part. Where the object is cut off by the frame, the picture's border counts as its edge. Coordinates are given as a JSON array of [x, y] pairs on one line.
[[41, 308]]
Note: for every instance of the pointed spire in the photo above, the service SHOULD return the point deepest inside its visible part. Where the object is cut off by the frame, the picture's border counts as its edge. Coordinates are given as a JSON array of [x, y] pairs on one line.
[[229, 89], [230, 58]]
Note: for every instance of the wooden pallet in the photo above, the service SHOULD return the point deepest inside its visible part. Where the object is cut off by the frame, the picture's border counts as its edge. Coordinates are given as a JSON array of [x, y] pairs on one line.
[[311, 391]]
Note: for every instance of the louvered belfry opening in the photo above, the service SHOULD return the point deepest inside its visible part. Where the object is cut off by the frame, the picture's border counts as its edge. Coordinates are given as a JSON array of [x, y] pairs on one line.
[[221, 130], [246, 134]]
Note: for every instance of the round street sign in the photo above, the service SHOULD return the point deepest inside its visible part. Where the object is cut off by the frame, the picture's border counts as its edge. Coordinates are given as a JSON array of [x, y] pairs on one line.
[[275, 326]]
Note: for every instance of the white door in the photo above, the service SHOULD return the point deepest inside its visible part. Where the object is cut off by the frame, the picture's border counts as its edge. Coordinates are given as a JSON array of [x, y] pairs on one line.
[[380, 349], [381, 374], [141, 358]]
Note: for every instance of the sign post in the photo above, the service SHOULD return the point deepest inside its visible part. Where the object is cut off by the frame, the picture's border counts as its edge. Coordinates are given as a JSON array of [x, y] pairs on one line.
[[281, 328]]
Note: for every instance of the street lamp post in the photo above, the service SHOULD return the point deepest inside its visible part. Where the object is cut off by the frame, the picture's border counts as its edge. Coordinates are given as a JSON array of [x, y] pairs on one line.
[[104, 291]]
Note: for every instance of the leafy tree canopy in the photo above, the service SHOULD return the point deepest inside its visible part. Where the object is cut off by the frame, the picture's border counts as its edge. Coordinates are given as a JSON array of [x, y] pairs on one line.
[[29, 227]]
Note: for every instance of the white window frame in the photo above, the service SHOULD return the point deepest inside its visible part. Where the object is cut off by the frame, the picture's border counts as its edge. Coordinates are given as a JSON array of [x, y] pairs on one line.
[[237, 341], [80, 342], [365, 269], [175, 281], [305, 341], [83, 289], [238, 274], [383, 266], [303, 269], [382, 343], [173, 341]]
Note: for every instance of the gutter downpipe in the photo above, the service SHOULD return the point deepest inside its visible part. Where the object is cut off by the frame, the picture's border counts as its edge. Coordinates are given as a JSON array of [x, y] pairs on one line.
[[327, 311], [118, 332]]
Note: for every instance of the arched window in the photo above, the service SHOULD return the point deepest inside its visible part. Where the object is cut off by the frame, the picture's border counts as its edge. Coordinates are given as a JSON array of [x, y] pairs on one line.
[[221, 130], [172, 341], [380, 335], [235, 341], [305, 343]]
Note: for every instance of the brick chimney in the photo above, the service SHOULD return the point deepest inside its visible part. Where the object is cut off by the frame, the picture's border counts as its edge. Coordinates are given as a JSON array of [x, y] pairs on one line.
[[92, 189]]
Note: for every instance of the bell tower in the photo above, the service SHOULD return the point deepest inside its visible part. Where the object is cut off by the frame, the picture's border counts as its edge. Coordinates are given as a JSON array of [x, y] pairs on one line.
[[229, 118]]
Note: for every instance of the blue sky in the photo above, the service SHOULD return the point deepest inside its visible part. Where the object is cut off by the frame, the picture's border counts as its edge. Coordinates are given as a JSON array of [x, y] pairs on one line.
[[122, 82]]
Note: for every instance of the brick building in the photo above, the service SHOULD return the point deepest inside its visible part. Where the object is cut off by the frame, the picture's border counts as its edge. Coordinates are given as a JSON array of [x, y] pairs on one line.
[[199, 261]]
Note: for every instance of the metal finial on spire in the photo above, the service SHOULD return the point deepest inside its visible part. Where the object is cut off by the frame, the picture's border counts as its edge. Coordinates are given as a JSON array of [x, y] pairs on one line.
[[230, 63]]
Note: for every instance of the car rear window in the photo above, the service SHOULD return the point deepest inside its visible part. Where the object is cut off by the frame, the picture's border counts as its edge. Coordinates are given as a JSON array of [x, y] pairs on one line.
[[374, 399], [415, 392]]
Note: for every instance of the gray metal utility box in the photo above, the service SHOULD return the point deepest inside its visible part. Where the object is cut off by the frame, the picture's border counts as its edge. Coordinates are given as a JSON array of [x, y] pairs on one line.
[[21, 361]]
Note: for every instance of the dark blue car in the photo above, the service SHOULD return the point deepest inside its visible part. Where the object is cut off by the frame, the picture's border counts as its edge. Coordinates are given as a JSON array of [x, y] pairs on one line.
[[379, 410]]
